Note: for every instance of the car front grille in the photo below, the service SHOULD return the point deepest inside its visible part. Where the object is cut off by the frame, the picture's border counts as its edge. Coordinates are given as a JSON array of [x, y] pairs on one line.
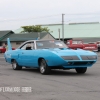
[[80, 63]]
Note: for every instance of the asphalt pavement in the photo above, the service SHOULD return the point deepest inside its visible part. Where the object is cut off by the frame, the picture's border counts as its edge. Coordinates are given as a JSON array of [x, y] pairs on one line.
[[29, 84]]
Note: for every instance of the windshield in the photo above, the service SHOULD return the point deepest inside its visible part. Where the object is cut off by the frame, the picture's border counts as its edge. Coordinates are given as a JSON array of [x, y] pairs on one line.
[[77, 42], [50, 44]]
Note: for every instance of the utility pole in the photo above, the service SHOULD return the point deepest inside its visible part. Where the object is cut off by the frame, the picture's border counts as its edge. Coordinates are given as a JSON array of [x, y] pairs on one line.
[[59, 33], [38, 35], [63, 27]]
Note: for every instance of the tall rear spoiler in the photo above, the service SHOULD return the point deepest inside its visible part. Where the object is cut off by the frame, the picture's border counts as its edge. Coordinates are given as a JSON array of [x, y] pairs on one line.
[[9, 44]]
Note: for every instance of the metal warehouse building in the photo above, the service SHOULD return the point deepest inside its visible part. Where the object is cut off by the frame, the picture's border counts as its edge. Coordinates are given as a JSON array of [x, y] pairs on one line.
[[88, 32]]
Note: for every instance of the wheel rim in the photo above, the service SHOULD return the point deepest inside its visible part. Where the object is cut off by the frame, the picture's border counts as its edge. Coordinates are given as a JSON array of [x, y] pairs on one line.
[[14, 65], [42, 67]]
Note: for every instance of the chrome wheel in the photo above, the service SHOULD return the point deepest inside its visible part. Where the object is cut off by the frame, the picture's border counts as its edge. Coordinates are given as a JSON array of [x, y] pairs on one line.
[[44, 69], [15, 65], [42, 66]]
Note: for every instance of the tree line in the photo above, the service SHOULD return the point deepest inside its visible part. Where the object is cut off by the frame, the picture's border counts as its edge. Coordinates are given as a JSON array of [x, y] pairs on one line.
[[35, 28]]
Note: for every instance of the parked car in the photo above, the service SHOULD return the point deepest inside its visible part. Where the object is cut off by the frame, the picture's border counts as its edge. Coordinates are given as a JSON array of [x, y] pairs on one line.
[[49, 54], [98, 45], [74, 44], [2, 49]]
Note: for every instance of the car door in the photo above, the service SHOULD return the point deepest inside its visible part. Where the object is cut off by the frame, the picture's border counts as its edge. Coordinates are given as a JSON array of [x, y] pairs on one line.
[[26, 56]]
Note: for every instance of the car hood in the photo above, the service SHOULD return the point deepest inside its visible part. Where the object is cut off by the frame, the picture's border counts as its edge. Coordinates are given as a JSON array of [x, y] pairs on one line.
[[62, 52]]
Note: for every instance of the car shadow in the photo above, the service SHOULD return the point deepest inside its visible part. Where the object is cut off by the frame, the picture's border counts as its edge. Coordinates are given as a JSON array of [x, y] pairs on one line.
[[57, 72]]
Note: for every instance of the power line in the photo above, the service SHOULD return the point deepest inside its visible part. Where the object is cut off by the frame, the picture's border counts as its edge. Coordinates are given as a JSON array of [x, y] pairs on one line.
[[39, 17], [83, 14]]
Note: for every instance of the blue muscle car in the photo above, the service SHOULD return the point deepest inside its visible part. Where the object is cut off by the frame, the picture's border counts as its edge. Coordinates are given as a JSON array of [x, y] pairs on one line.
[[49, 54]]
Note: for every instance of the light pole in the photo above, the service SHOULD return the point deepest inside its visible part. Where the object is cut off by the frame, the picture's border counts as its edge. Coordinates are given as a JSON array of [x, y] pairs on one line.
[[63, 27]]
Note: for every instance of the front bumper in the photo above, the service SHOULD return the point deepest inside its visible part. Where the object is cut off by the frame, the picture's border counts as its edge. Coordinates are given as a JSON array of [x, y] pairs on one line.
[[74, 62]]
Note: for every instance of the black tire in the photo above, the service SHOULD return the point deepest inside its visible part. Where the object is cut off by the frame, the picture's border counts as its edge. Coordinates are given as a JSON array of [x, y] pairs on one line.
[[0, 51], [15, 65], [81, 70], [44, 69]]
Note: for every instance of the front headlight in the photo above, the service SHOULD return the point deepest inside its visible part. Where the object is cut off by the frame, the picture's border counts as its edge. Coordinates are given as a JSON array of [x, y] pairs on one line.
[[70, 57], [89, 57], [92, 57]]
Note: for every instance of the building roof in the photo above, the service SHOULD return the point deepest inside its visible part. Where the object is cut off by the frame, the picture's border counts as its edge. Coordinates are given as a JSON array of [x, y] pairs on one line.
[[74, 30], [26, 36], [4, 34]]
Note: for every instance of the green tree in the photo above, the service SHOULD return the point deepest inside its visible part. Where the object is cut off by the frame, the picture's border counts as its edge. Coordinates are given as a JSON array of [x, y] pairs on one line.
[[35, 28]]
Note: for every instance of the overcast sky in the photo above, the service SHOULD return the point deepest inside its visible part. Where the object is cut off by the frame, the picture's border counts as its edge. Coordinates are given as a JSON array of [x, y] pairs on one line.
[[16, 13]]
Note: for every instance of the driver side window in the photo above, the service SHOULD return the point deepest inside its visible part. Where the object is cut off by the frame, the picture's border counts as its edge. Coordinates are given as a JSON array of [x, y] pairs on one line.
[[28, 46], [23, 47]]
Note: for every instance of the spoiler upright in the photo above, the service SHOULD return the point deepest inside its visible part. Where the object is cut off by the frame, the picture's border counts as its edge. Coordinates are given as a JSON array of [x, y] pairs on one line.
[[9, 44]]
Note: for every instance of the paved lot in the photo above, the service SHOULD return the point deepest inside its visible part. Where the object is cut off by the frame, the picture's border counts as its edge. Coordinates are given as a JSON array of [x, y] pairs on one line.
[[59, 85]]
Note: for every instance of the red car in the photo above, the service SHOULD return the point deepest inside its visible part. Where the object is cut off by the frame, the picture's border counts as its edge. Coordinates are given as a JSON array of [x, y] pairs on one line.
[[2, 49], [74, 44], [98, 45]]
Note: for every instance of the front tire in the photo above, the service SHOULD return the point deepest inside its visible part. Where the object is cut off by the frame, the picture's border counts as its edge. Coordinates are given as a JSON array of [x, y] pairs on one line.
[[0, 51], [81, 70], [44, 69], [15, 65]]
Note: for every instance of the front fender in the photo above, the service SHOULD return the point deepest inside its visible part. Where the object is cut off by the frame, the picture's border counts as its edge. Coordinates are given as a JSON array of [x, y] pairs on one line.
[[52, 59]]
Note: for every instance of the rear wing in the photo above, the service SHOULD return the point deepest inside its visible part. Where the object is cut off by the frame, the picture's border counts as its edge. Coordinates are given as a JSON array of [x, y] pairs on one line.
[[9, 44]]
